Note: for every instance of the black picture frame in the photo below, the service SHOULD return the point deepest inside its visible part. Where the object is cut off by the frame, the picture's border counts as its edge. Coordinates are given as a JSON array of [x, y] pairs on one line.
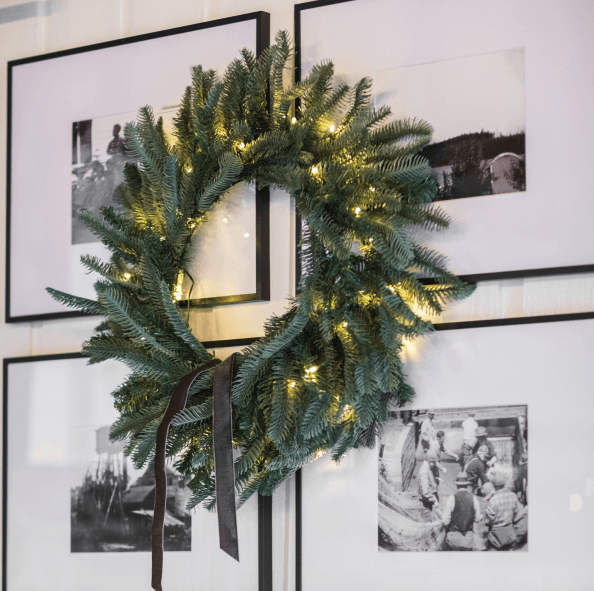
[[519, 273], [15, 274], [264, 503], [262, 292], [527, 320]]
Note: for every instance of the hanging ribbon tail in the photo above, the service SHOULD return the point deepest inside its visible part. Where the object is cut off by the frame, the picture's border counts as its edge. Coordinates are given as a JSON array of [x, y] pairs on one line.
[[177, 403], [223, 454]]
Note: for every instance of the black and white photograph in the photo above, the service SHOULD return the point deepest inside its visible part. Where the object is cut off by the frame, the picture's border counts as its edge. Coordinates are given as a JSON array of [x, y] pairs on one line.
[[112, 504], [99, 155], [454, 479], [78, 510], [477, 107], [65, 146], [98, 159]]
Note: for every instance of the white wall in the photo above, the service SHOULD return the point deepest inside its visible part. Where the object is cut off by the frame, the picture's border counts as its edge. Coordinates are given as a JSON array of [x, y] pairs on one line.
[[74, 23]]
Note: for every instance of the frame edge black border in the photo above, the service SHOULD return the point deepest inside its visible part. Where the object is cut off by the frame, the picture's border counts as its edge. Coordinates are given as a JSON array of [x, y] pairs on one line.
[[438, 327], [265, 564], [470, 278], [262, 19]]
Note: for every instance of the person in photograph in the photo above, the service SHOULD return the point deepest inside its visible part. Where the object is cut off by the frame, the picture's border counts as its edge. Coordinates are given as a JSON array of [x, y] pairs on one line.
[[460, 513], [481, 440], [522, 491], [469, 428], [117, 144], [427, 483], [502, 513], [476, 469], [437, 447], [441, 450], [523, 427], [428, 432]]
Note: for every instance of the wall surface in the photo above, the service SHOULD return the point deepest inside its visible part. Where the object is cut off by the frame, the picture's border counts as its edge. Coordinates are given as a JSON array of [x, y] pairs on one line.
[[33, 28]]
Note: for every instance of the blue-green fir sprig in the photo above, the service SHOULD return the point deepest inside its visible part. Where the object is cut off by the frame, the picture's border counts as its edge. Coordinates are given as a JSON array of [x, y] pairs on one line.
[[323, 376]]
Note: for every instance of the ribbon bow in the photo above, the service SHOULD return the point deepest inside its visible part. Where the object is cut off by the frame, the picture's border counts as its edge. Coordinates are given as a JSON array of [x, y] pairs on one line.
[[223, 453]]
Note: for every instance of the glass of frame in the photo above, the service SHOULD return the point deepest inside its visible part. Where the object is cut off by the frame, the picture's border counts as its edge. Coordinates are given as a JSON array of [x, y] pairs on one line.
[[66, 111], [362, 519], [76, 506], [532, 215]]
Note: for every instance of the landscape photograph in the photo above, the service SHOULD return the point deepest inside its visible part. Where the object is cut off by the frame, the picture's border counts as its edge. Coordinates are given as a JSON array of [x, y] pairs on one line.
[[476, 106]]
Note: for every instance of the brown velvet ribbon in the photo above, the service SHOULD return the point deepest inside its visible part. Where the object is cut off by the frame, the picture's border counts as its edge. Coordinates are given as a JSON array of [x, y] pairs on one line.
[[223, 456], [223, 449]]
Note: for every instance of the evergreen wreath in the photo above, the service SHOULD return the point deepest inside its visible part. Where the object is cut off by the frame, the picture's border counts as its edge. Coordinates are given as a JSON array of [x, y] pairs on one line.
[[325, 372]]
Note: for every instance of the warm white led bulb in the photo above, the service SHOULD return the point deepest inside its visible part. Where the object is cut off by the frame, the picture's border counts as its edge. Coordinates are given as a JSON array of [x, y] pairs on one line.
[[332, 128], [241, 146], [294, 120], [127, 275], [345, 324], [358, 210], [315, 170], [246, 235]]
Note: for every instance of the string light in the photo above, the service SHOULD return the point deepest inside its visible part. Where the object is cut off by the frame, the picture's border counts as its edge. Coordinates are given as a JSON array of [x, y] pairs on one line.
[[312, 369], [345, 324], [225, 220], [358, 210], [294, 120], [127, 276], [292, 384], [315, 170], [178, 294], [189, 169], [371, 240], [162, 238], [246, 235], [241, 146], [372, 189], [332, 128]]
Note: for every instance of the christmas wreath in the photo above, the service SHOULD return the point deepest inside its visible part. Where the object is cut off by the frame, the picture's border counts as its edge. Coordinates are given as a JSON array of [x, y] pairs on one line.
[[322, 376]]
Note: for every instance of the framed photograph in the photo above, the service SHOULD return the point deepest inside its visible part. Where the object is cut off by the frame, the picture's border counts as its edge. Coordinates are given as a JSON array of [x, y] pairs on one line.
[[436, 473], [66, 113], [450, 471], [75, 503], [487, 77]]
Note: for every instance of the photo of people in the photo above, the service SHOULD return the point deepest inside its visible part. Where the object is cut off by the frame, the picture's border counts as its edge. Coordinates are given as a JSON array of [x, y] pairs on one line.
[[99, 155], [454, 480]]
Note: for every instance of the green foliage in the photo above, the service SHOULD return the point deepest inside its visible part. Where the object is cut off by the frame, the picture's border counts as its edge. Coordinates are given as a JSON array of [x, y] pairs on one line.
[[325, 372]]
